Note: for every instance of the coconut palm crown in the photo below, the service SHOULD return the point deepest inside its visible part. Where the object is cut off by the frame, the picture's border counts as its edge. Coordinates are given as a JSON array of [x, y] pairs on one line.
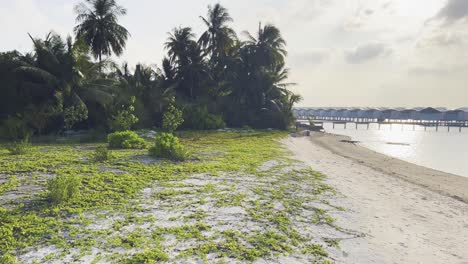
[[98, 26]]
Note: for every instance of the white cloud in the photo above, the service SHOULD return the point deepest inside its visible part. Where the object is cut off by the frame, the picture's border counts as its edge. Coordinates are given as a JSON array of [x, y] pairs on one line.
[[310, 58], [366, 52]]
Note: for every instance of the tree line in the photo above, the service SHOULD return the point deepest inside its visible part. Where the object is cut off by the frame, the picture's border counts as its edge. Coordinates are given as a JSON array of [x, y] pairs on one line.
[[219, 79]]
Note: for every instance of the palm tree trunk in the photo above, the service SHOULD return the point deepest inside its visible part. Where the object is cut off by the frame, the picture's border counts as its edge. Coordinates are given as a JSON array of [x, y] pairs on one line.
[[100, 62], [191, 86]]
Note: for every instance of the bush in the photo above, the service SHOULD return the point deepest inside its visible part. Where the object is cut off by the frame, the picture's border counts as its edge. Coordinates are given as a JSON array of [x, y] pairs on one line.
[[172, 118], [168, 146], [75, 114], [125, 140], [200, 119], [125, 118], [101, 154], [19, 147], [63, 188]]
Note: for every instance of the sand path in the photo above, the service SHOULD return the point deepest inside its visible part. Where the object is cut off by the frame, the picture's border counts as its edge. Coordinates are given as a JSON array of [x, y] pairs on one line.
[[401, 222]]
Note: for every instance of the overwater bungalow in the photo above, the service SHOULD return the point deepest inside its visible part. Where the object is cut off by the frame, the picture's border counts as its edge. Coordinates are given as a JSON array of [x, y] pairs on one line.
[[382, 114], [429, 114]]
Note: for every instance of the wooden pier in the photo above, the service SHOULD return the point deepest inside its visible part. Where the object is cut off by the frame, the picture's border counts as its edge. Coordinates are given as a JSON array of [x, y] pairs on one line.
[[438, 118], [356, 123]]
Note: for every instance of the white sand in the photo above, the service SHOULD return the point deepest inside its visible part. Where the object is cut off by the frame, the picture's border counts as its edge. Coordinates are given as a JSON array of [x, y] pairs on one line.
[[401, 222]]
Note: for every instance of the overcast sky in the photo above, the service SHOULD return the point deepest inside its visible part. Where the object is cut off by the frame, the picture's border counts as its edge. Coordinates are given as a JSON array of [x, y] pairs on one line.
[[341, 52]]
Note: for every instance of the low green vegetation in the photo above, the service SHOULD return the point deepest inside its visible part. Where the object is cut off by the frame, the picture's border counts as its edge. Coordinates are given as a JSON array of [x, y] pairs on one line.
[[172, 118], [19, 147], [125, 118], [125, 140], [63, 188], [199, 118], [153, 256], [168, 146], [101, 154], [223, 205], [10, 184]]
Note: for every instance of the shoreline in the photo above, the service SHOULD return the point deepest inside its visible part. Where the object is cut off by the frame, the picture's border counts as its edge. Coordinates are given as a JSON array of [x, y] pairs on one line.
[[448, 184], [398, 221]]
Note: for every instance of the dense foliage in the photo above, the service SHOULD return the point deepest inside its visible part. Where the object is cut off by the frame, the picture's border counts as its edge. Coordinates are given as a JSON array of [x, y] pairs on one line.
[[225, 79]]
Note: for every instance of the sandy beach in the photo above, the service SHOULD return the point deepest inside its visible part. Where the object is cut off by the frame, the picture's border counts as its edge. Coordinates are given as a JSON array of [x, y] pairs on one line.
[[406, 213]]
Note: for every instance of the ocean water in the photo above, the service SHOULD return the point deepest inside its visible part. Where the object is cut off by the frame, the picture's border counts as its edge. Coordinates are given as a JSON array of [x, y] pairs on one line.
[[441, 150]]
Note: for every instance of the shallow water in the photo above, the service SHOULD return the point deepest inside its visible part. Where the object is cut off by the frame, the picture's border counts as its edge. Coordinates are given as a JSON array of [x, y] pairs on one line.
[[440, 150]]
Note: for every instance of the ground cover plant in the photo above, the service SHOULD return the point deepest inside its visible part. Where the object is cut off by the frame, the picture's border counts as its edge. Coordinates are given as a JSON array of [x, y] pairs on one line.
[[239, 199], [19, 147]]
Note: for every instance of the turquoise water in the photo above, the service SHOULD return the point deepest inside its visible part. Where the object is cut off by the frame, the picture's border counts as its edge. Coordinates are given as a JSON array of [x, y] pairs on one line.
[[441, 150]]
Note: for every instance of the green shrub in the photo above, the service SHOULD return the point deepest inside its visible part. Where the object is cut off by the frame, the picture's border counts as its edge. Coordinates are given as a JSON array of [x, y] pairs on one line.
[[125, 118], [101, 154], [63, 188], [172, 118], [19, 147], [125, 140], [199, 118], [168, 146], [75, 114]]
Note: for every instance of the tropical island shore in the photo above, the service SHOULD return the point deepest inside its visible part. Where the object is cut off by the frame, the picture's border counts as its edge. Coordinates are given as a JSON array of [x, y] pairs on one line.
[[448, 184], [407, 213]]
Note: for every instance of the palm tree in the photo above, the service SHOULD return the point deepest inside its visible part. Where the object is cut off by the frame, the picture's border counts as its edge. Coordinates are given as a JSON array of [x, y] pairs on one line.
[[219, 41], [218, 38], [187, 56], [63, 77], [148, 86], [258, 81], [179, 44], [268, 46], [281, 109], [12, 99], [98, 26], [168, 73]]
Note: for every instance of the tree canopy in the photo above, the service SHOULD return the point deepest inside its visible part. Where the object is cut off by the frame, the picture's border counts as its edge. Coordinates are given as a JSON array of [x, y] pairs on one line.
[[215, 80], [99, 27]]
